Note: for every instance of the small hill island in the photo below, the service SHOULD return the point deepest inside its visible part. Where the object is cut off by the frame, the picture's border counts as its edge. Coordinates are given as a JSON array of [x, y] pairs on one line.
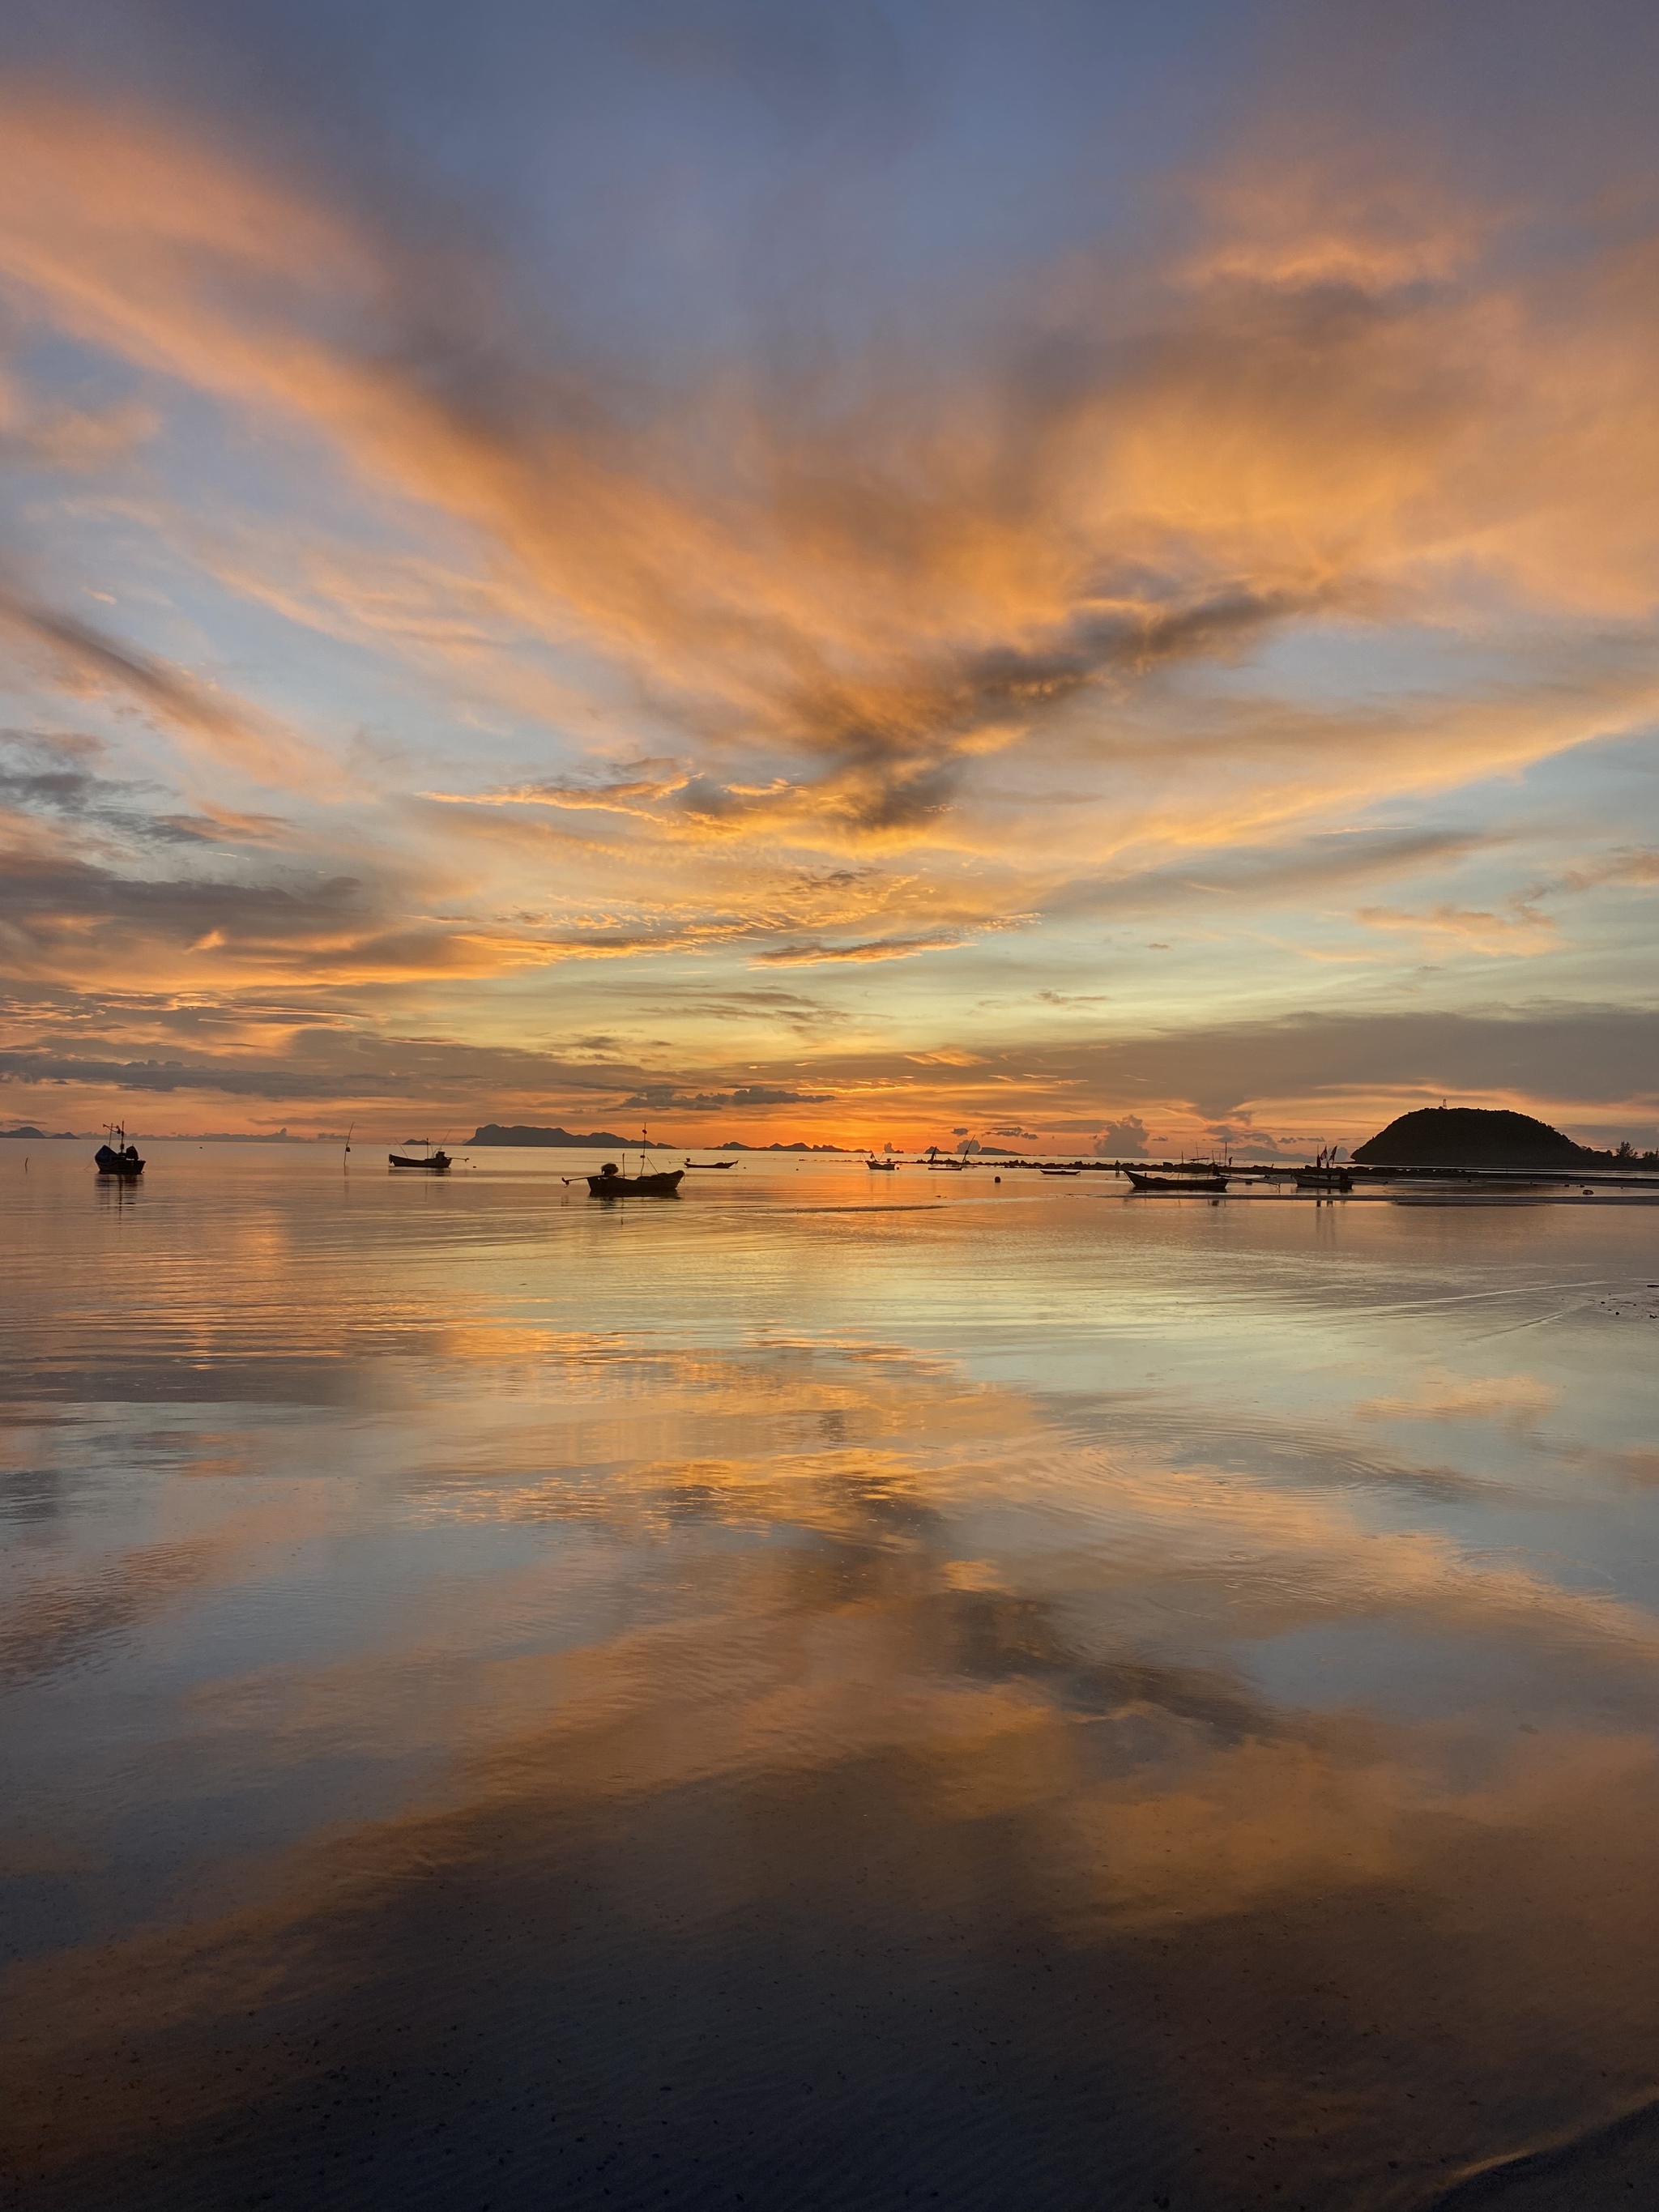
[[527, 1137], [1473, 1137]]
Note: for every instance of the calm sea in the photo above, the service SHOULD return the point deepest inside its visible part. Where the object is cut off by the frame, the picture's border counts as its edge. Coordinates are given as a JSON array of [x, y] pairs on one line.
[[834, 1690]]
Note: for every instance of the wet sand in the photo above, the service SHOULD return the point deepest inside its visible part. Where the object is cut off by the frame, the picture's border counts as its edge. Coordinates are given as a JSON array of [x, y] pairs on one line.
[[797, 1700]]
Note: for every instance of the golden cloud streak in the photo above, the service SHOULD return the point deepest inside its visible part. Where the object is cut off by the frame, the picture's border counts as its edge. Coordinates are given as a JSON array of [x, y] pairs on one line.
[[1303, 431], [1000, 620]]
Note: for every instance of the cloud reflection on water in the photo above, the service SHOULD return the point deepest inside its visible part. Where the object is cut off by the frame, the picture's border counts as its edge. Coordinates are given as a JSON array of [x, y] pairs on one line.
[[590, 1753]]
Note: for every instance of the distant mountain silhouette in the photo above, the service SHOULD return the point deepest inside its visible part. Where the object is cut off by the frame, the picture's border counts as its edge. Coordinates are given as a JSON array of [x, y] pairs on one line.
[[492, 1133], [800, 1144], [1471, 1137]]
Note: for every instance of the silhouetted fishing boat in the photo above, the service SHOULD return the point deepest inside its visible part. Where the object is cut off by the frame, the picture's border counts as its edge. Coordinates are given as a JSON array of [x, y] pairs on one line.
[[710, 1164], [611, 1182], [1325, 1175], [117, 1158], [882, 1167], [430, 1161], [1203, 1178]]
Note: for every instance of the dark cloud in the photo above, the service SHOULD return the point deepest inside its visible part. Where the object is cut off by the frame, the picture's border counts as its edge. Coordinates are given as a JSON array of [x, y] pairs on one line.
[[1587, 1058], [64, 911], [51, 903], [52, 776], [1124, 1139], [1255, 1144], [325, 1065], [1581, 1054]]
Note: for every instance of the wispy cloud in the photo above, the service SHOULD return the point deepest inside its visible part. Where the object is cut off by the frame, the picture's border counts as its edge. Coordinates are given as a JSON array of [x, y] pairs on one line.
[[1283, 440], [879, 948], [1182, 572], [661, 1098], [1518, 932], [87, 658]]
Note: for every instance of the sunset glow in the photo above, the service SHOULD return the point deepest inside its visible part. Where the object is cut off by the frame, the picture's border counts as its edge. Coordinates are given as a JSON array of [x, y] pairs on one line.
[[1087, 582]]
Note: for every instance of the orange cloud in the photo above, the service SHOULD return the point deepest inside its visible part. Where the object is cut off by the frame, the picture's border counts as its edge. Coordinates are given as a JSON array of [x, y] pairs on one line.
[[836, 675], [1518, 933], [1300, 431]]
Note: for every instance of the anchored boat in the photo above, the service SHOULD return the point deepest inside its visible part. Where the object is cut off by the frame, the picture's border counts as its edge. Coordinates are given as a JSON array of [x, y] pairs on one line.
[[116, 1157], [1202, 1178], [611, 1182], [431, 1162], [1325, 1175]]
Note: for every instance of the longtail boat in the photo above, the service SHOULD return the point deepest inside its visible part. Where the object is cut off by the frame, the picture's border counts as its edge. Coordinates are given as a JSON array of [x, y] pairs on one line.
[[650, 1183], [430, 1161], [1203, 1178]]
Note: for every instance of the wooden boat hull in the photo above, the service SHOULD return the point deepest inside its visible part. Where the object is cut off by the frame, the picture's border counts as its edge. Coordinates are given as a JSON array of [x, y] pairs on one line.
[[109, 1163], [882, 1167], [641, 1186], [1196, 1186], [437, 1164]]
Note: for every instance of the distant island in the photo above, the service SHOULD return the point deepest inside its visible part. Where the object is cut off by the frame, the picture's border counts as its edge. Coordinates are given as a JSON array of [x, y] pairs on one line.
[[46, 1136], [736, 1144], [527, 1135], [493, 1133], [1482, 1137]]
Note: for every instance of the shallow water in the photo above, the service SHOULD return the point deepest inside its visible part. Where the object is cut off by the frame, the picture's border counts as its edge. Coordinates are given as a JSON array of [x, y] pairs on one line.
[[832, 1690]]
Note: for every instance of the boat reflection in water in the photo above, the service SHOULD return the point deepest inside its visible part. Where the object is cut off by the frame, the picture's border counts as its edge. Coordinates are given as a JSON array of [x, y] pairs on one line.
[[816, 1698]]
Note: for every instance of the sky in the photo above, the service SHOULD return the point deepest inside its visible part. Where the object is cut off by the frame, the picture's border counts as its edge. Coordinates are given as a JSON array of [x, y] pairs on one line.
[[1077, 575]]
